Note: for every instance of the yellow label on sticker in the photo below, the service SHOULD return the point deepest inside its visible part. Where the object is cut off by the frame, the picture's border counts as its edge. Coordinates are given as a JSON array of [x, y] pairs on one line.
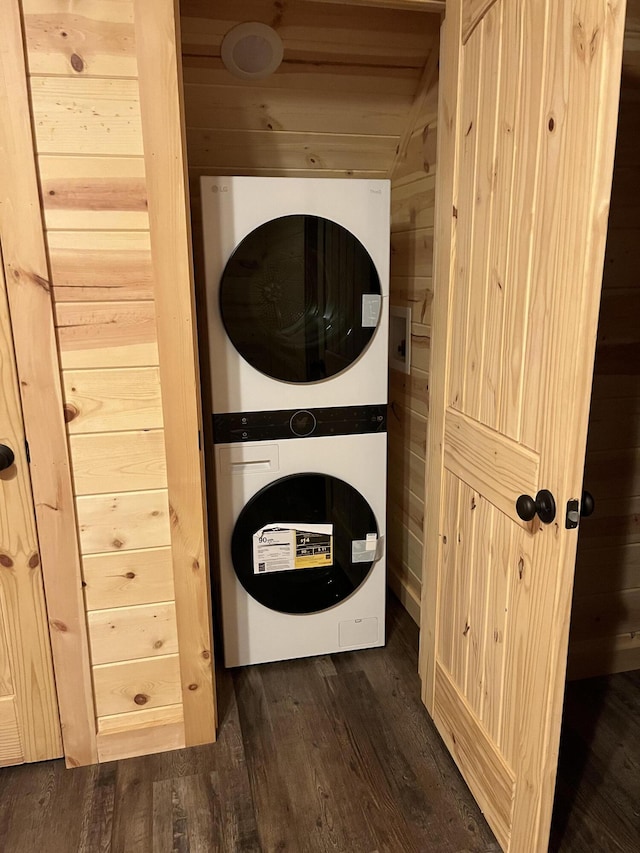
[[313, 550]]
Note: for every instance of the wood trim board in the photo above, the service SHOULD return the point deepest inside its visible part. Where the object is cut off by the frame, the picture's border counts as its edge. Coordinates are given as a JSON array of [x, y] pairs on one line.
[[29, 292], [162, 113]]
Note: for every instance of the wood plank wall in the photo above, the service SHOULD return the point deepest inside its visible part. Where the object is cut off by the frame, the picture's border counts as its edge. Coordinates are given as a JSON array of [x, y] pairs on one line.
[[412, 216], [605, 629], [86, 108]]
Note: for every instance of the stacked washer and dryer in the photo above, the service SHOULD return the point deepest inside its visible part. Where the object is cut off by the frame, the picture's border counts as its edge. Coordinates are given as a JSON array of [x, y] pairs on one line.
[[297, 275]]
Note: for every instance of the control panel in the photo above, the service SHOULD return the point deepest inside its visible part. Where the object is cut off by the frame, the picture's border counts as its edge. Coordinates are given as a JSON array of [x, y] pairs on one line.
[[298, 423]]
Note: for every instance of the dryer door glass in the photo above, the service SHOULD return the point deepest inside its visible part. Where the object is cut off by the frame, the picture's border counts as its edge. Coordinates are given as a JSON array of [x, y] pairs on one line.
[[300, 298], [300, 544]]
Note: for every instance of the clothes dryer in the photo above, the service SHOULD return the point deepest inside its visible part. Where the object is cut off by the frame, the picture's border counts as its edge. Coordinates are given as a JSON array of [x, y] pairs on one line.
[[301, 525], [297, 277]]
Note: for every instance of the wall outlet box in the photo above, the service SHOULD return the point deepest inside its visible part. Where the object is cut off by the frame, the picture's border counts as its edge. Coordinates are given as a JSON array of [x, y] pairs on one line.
[[400, 339]]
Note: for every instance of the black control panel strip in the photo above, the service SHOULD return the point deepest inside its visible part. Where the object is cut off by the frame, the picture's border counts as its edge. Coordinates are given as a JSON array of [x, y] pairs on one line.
[[298, 423]]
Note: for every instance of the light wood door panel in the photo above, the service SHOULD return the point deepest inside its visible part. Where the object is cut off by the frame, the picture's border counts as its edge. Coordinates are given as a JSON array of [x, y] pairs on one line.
[[29, 724], [529, 94]]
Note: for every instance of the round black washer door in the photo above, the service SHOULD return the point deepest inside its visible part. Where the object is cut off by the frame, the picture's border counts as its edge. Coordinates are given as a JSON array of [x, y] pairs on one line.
[[297, 298], [297, 499]]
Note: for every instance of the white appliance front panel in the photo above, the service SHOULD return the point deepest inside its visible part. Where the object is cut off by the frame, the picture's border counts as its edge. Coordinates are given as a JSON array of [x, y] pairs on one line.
[[254, 633], [232, 208]]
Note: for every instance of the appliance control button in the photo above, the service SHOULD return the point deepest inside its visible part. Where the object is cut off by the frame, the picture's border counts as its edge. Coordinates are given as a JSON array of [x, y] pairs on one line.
[[302, 423]]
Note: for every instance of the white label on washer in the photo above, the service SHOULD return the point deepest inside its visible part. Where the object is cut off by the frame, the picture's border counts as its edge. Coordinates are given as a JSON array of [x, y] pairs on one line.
[[283, 547], [365, 550], [371, 542], [371, 303]]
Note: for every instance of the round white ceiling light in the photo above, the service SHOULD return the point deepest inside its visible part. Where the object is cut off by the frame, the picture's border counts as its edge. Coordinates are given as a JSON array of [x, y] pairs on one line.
[[252, 51]]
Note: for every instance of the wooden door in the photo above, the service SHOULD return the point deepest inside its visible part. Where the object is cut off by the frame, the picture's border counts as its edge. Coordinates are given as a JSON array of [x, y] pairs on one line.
[[528, 110], [29, 725]]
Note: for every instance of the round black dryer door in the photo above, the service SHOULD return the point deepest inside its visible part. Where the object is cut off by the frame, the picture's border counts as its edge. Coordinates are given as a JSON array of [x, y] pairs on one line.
[[304, 543], [300, 298]]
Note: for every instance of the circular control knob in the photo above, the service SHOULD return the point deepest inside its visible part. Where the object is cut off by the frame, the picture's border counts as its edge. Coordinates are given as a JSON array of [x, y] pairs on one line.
[[7, 457], [302, 423]]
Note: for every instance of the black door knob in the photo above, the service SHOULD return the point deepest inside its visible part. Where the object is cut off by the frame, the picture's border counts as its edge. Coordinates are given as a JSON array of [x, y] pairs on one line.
[[544, 506], [6, 457], [587, 504]]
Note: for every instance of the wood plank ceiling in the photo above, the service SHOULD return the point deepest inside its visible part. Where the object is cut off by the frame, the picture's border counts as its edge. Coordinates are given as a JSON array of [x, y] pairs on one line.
[[339, 104]]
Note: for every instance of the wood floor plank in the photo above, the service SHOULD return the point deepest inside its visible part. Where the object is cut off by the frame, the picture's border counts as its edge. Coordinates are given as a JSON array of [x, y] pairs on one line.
[[274, 810], [323, 791], [162, 816], [97, 810], [133, 808]]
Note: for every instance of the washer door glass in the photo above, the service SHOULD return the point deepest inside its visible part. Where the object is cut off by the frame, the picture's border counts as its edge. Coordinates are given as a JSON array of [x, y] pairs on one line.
[[293, 543], [300, 298]]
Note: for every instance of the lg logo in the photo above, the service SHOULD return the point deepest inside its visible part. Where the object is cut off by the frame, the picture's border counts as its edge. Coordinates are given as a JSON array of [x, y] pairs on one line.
[[222, 189]]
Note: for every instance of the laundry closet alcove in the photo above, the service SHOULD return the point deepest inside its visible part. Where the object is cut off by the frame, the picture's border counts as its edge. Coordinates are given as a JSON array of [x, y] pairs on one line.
[[107, 124]]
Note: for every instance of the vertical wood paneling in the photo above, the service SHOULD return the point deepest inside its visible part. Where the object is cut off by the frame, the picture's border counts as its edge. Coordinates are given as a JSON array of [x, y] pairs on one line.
[[498, 270], [26, 670], [10, 742], [449, 568], [29, 291], [465, 205], [466, 540], [498, 614], [528, 125], [484, 199], [483, 549]]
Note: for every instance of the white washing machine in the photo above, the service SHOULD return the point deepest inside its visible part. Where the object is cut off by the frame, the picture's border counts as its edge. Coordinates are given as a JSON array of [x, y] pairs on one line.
[[302, 538], [297, 275]]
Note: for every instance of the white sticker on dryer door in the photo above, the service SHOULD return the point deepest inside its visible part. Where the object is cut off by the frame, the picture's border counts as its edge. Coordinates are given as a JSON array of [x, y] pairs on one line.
[[365, 550], [283, 547], [371, 303]]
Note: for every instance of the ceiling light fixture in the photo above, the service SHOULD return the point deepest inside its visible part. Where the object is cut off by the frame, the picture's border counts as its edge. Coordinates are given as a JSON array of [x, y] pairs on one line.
[[252, 51]]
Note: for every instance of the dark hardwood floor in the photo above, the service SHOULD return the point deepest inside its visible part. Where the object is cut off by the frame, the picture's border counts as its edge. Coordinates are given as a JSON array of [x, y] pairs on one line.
[[597, 804], [326, 754]]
